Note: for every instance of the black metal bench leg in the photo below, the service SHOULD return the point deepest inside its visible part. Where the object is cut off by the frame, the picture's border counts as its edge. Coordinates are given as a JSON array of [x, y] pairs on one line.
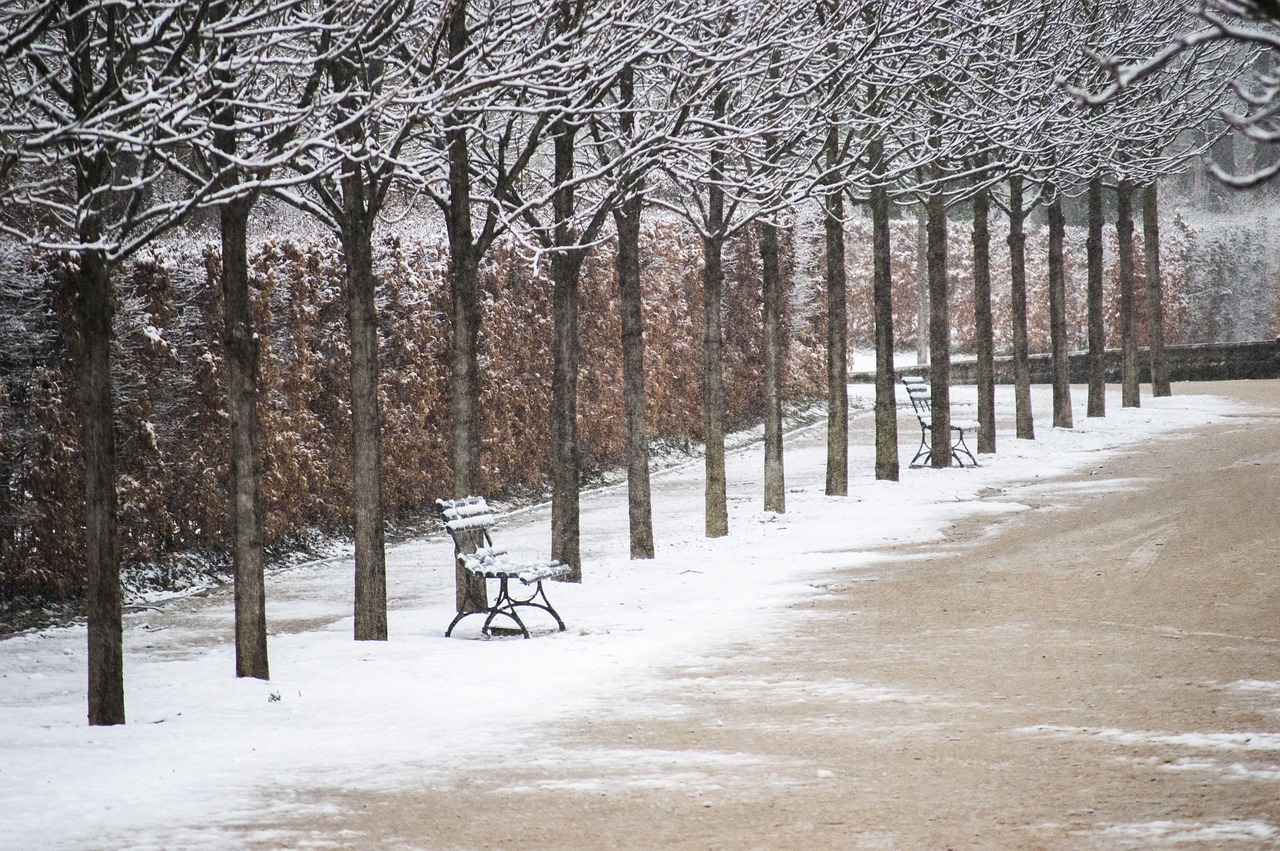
[[924, 450], [469, 607], [960, 446], [504, 605], [545, 605]]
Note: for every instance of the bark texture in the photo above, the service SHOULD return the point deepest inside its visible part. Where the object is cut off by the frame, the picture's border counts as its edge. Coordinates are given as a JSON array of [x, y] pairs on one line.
[[887, 465], [1128, 326], [240, 347], [939, 334], [1155, 297], [775, 489], [982, 323], [102, 548], [1097, 406], [366, 433], [464, 287], [713, 400], [565, 265], [639, 500], [837, 333], [1058, 317], [1018, 300], [922, 285], [717, 506], [240, 343]]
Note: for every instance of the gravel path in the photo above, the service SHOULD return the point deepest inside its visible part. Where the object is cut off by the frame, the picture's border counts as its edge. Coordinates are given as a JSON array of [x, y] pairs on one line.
[[1101, 672]]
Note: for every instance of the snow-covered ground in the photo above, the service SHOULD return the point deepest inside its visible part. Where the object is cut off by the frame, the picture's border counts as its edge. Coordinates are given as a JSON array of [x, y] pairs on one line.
[[204, 752]]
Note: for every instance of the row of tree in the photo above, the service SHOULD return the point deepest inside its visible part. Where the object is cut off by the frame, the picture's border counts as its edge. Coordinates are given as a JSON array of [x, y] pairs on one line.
[[553, 120]]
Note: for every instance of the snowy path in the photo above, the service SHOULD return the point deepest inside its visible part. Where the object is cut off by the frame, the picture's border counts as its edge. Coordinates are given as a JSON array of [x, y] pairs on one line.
[[204, 755]]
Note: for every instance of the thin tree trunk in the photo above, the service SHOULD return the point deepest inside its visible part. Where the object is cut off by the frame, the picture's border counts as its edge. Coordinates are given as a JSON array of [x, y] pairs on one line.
[[464, 363], [464, 290], [982, 322], [366, 442], [102, 549], [717, 503], [837, 333], [717, 506], [939, 333], [1097, 330], [1018, 299], [882, 296], [565, 264], [464, 354], [1058, 317], [1155, 299], [1128, 327], [241, 346], [922, 285], [775, 491], [639, 505]]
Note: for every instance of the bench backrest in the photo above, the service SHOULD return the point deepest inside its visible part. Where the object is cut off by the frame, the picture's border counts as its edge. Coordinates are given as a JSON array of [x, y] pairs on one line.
[[468, 520], [918, 392]]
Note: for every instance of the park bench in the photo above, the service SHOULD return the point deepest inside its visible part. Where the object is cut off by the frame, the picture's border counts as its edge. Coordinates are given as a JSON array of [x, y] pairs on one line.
[[469, 521], [921, 404]]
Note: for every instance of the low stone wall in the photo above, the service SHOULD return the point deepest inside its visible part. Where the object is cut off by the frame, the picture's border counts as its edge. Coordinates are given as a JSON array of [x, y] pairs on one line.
[[1201, 362]]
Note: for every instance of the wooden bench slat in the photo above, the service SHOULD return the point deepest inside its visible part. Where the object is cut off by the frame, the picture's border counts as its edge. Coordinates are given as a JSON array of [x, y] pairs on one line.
[[470, 524]]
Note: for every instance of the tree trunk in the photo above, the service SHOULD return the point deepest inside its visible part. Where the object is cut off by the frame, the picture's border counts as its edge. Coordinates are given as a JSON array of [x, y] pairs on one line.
[[639, 505], [240, 343], [464, 363], [1128, 327], [1155, 299], [1058, 317], [775, 490], [982, 322], [1018, 299], [882, 296], [717, 505], [464, 354], [464, 290], [565, 265], [102, 549], [240, 346], [939, 333], [1097, 330], [366, 437], [922, 285], [837, 333]]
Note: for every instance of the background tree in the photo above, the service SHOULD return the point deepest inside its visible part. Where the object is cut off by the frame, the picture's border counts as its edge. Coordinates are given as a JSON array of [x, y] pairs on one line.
[[373, 98], [1161, 122], [249, 60], [633, 138], [90, 94], [480, 46], [566, 200], [713, 166]]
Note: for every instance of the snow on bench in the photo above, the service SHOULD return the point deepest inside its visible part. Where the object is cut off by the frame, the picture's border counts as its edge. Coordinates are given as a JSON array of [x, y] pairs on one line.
[[469, 521]]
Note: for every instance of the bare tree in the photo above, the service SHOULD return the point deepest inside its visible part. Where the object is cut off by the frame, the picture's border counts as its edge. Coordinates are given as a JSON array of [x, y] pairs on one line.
[[481, 47], [1182, 81], [568, 199], [255, 85], [723, 186], [373, 99], [89, 102]]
